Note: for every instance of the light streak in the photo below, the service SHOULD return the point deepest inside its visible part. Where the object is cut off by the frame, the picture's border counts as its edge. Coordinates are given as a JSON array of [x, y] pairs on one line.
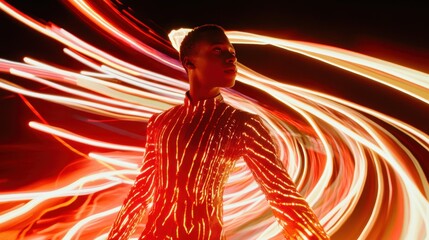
[[79, 93], [332, 147], [75, 137], [113, 161], [74, 102], [64, 191]]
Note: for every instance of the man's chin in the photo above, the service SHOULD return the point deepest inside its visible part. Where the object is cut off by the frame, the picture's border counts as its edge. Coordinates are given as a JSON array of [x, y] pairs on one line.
[[230, 85]]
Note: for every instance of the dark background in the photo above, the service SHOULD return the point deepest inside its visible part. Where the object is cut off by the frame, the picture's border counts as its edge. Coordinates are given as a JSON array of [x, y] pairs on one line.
[[395, 30]]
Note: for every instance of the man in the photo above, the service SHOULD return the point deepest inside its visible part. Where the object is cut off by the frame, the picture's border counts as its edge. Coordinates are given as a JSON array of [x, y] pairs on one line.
[[192, 148]]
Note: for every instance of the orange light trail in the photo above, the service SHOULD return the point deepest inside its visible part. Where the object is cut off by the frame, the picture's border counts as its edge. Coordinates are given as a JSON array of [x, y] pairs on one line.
[[361, 177]]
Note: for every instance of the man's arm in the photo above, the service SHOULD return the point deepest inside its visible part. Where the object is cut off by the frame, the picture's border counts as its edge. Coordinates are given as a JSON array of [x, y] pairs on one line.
[[141, 193], [289, 207]]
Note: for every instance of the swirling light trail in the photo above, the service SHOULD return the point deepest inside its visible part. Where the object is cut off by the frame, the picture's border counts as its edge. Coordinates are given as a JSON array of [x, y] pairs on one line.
[[363, 181]]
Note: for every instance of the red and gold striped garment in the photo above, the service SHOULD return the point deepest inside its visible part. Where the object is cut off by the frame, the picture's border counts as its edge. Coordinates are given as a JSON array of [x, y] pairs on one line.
[[190, 152]]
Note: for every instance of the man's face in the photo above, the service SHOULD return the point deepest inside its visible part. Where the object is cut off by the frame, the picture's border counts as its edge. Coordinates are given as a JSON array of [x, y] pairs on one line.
[[214, 61]]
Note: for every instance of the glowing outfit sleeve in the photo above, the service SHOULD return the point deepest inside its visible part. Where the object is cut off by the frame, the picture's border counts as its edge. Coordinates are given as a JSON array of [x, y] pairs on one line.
[[288, 206], [140, 194]]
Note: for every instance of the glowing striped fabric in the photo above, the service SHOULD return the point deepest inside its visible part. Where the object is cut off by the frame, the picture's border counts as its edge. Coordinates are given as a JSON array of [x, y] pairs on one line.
[[191, 150]]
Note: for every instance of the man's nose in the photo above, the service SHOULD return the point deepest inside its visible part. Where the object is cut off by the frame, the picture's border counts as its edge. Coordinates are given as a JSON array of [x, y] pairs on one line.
[[231, 58]]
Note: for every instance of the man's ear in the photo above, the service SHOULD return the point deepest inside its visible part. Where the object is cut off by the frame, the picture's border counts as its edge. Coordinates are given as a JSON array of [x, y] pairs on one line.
[[188, 63]]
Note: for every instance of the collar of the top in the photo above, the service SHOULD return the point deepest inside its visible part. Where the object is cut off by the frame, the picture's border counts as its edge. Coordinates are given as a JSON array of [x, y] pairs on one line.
[[208, 101]]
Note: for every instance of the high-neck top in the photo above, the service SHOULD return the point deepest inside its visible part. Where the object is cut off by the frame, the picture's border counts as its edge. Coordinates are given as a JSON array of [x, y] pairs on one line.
[[190, 151], [188, 102]]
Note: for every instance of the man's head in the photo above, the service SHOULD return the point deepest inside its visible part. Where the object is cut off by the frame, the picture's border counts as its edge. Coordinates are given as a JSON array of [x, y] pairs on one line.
[[208, 57]]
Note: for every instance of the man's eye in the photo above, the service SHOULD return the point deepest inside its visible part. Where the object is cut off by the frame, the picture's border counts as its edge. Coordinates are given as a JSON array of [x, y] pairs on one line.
[[217, 50]]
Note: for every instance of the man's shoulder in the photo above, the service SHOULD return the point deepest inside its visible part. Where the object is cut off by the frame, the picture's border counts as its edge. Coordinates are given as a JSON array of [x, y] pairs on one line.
[[243, 114], [165, 113], [240, 114]]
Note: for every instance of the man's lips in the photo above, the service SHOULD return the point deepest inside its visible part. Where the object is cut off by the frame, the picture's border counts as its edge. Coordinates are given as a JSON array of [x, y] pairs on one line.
[[231, 70]]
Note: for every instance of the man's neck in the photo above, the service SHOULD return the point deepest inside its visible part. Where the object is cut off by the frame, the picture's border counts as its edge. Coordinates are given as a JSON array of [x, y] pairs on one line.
[[200, 93]]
